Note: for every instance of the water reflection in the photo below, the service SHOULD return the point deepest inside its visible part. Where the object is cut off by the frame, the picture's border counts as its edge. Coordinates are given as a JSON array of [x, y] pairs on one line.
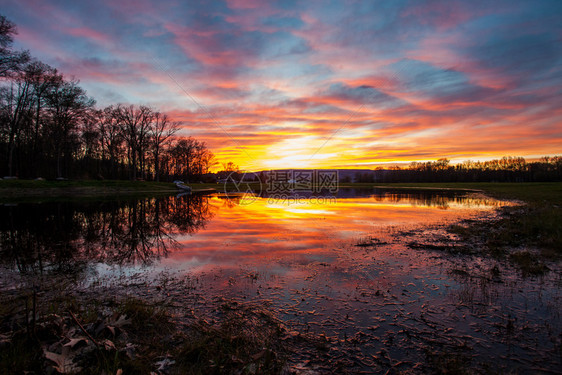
[[435, 198], [62, 236], [301, 258], [269, 229]]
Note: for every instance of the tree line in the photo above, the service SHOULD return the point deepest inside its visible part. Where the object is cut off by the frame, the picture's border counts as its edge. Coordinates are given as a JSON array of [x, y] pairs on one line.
[[506, 169], [51, 128]]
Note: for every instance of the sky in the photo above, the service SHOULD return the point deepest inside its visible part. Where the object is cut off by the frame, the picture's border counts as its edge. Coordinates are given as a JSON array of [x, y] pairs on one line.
[[320, 84]]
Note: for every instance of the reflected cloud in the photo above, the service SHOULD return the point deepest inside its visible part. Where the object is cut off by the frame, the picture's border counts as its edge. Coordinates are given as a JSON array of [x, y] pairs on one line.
[[197, 232]]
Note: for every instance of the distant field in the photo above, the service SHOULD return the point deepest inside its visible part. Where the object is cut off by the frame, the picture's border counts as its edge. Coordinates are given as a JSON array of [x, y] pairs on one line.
[[16, 188]]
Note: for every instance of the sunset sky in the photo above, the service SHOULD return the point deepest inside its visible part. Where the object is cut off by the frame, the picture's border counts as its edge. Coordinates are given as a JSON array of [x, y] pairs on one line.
[[305, 84]]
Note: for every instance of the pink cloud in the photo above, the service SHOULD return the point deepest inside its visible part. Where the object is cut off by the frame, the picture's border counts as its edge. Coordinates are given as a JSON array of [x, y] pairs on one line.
[[85, 32], [206, 47], [245, 4], [440, 14]]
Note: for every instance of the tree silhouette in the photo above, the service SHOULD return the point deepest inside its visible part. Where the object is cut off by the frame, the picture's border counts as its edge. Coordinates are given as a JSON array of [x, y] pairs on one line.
[[52, 237]]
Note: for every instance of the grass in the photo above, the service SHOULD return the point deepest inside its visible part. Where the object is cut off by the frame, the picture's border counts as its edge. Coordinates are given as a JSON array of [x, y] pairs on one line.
[[528, 263], [535, 223], [528, 234], [102, 184], [26, 345], [450, 361], [19, 191], [245, 341], [31, 191], [20, 355], [136, 337]]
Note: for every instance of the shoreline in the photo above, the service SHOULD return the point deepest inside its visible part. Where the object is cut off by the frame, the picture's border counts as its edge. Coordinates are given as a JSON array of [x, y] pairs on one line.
[[14, 191], [525, 191]]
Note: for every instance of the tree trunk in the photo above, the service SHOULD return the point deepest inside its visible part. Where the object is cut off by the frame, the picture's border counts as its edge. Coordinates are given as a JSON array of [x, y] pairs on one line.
[[156, 165]]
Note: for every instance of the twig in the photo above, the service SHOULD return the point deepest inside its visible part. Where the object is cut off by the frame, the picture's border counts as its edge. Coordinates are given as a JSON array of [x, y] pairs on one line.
[[27, 316], [83, 329], [34, 311]]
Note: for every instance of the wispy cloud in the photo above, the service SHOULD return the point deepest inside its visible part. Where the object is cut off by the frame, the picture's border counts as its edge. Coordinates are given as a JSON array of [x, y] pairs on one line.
[[423, 79]]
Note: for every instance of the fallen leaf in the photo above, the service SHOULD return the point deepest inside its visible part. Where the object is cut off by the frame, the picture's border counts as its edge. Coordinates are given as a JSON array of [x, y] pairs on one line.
[[164, 364], [130, 350], [64, 362], [75, 341], [122, 321], [111, 329], [108, 344], [259, 355]]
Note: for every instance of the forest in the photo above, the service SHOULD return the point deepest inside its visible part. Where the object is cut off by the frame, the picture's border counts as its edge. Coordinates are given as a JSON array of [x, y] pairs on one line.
[[50, 128]]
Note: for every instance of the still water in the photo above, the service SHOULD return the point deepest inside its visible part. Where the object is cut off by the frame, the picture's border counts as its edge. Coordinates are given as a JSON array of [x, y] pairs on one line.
[[354, 268]]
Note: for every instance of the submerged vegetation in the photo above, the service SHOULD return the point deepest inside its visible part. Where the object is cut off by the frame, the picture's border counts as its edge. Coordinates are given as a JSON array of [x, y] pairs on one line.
[[532, 224], [528, 233]]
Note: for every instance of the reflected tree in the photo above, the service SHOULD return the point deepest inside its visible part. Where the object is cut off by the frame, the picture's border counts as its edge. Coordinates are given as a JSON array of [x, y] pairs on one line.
[[58, 237]]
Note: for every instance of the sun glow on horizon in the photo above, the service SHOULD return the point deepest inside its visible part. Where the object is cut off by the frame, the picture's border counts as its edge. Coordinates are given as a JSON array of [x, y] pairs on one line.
[[273, 86]]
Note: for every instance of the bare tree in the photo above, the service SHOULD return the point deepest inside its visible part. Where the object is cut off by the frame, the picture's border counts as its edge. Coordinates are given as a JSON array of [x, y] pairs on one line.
[[48, 123], [162, 132], [10, 61], [15, 105], [68, 105], [42, 79], [133, 122]]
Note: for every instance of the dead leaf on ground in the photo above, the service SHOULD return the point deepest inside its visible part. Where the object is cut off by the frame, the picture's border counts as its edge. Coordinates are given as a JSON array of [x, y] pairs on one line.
[[75, 341], [108, 344], [122, 321], [64, 361]]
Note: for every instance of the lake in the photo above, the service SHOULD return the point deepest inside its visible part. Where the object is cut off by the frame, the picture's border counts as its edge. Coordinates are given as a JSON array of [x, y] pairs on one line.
[[373, 271]]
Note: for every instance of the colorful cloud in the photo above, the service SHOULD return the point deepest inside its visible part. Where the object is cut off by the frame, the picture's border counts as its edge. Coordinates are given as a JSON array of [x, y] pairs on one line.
[[320, 84]]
